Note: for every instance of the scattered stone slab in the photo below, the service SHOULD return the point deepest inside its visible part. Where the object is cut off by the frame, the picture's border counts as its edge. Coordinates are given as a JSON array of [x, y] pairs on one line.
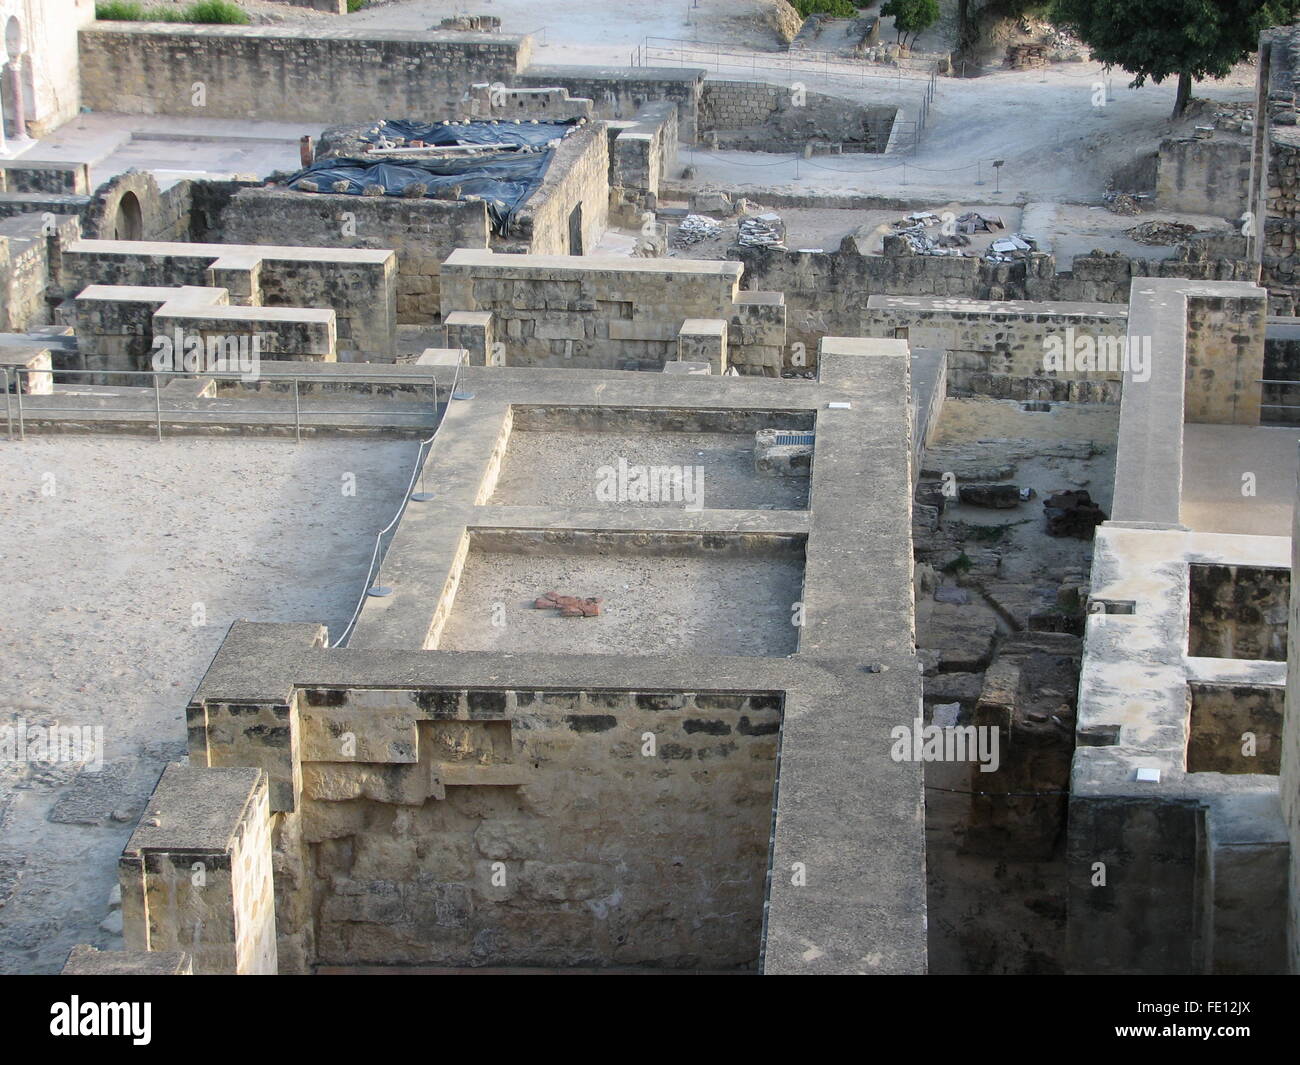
[[95, 794], [963, 635], [960, 688]]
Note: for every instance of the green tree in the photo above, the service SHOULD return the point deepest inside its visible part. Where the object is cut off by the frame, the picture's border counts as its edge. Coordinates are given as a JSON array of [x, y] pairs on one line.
[[912, 16], [1158, 39]]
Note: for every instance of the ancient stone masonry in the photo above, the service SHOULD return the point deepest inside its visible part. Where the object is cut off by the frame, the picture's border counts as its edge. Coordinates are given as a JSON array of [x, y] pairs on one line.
[[357, 287], [434, 821], [758, 117], [903, 582], [611, 312], [1156, 794], [276, 73]]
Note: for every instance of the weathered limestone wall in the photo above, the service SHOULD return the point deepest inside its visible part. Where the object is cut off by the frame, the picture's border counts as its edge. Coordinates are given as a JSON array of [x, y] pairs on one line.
[[494, 100], [1001, 348], [576, 180], [421, 232], [1239, 612], [34, 175], [642, 153], [610, 312], [196, 873], [621, 92], [453, 836], [288, 75], [1225, 357], [24, 271], [1209, 177], [359, 286], [827, 293], [757, 116], [1222, 716]]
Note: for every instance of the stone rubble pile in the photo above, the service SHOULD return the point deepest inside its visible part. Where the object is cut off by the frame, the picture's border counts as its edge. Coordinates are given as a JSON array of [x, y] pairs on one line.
[[1161, 232], [763, 230], [694, 228]]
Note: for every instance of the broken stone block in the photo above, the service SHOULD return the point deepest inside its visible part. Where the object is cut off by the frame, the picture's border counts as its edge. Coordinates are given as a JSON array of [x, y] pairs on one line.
[[998, 496], [783, 453], [1072, 514], [711, 203], [960, 688], [963, 635]]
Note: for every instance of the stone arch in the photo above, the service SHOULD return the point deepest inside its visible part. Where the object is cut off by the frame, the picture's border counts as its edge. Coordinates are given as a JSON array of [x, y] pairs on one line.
[[128, 224]]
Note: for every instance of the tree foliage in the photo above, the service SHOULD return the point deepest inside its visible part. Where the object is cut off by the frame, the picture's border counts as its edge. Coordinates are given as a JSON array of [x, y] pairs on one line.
[[1158, 39], [911, 16]]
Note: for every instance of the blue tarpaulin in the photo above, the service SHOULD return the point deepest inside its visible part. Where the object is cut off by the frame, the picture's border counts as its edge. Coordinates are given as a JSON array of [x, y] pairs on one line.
[[503, 179]]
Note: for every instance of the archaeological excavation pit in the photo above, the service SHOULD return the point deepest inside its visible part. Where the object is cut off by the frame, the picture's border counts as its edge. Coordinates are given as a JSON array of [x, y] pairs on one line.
[[602, 457], [662, 593], [1238, 612]]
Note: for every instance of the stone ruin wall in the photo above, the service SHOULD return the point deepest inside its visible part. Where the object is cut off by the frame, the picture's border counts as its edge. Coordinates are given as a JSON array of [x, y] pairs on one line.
[[283, 75], [522, 872], [447, 832], [756, 116], [826, 293]]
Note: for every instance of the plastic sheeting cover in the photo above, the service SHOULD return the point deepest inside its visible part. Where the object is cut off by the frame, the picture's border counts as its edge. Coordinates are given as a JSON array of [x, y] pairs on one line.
[[444, 134], [504, 180]]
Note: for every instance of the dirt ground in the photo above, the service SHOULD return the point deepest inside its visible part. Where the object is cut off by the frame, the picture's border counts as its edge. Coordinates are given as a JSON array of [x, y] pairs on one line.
[[653, 605], [568, 469], [991, 915], [105, 575]]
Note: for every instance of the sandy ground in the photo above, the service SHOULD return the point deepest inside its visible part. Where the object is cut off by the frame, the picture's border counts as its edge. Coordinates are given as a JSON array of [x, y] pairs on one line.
[[103, 579], [653, 605], [1028, 553], [565, 469]]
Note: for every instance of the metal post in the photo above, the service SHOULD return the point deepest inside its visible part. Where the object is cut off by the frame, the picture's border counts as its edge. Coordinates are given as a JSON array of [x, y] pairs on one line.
[[157, 405], [9, 409], [18, 392], [297, 414]]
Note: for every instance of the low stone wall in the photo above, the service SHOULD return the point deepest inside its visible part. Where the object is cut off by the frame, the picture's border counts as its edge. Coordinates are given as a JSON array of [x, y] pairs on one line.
[[448, 835], [757, 116], [359, 286], [1018, 350], [621, 92], [282, 74], [609, 312], [34, 175], [422, 233], [827, 293], [1209, 177], [196, 874]]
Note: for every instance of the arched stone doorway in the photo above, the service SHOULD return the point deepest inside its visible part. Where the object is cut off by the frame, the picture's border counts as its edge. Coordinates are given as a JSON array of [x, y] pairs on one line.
[[129, 222]]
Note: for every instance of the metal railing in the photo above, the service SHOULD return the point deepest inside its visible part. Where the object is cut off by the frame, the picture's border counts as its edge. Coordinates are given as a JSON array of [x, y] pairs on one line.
[[1280, 406], [12, 379]]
